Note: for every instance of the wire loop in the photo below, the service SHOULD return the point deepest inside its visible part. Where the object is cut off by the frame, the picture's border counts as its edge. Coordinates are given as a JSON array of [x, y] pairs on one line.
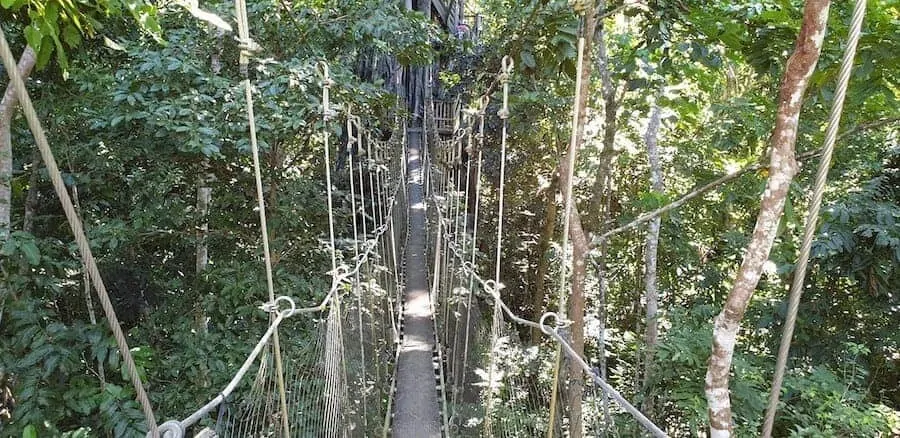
[[171, 429], [547, 330]]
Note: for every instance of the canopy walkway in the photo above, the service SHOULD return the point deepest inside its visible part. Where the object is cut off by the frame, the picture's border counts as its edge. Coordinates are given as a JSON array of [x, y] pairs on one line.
[[413, 339], [410, 340]]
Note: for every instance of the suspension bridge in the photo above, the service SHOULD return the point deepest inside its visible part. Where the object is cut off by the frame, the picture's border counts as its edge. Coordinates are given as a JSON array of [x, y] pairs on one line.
[[413, 338]]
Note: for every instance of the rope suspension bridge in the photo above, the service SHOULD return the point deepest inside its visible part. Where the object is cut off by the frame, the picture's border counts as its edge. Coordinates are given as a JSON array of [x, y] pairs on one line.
[[413, 338]]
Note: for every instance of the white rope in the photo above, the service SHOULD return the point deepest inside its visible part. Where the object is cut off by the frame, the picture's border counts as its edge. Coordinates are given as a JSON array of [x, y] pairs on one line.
[[481, 115], [567, 214], [463, 304], [356, 285], [244, 35], [495, 326]]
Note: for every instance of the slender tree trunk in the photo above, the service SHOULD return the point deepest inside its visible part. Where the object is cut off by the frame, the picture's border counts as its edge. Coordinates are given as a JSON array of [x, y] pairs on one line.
[[86, 280], [603, 192], [781, 171], [31, 200], [8, 106], [580, 245], [603, 183], [204, 199], [580, 249], [539, 292], [651, 292]]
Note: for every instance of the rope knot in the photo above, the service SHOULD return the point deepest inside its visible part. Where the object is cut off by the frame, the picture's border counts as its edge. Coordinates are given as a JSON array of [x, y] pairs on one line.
[[507, 67], [485, 100], [170, 429]]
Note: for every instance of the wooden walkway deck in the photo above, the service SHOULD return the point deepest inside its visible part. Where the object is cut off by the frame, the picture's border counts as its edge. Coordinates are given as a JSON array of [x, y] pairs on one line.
[[416, 409]]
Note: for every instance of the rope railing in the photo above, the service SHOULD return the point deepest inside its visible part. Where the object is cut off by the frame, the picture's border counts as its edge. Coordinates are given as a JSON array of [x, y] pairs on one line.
[[342, 276]]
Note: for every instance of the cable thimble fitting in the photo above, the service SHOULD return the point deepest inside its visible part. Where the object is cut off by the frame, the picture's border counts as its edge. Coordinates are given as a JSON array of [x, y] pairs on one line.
[[558, 323], [504, 76], [327, 82]]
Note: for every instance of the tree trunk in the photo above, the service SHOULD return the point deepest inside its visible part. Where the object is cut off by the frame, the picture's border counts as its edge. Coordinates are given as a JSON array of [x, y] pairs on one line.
[[8, 106], [651, 292], [580, 246], [539, 293], [86, 280], [603, 183], [204, 197], [576, 314], [31, 200], [782, 168]]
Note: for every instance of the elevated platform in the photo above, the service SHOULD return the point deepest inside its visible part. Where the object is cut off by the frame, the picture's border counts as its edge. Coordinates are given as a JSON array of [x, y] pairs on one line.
[[416, 409]]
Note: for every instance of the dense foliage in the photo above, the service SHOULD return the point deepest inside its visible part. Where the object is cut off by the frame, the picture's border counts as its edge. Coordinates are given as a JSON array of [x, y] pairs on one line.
[[149, 115], [138, 127], [714, 68]]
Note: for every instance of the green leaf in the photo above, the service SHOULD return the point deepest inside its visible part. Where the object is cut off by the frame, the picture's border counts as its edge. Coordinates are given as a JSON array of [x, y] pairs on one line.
[[528, 59], [71, 36], [9, 248], [29, 432], [31, 252], [7, 4], [44, 54], [33, 36]]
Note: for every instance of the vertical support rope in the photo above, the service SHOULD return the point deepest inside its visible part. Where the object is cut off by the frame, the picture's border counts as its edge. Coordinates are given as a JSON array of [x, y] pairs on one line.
[[495, 326], [327, 83], [461, 304], [481, 113], [812, 217], [326, 117], [246, 46], [40, 138], [567, 214], [356, 283]]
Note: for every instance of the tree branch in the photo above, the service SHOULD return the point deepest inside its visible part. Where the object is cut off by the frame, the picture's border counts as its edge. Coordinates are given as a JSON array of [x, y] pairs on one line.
[[648, 216]]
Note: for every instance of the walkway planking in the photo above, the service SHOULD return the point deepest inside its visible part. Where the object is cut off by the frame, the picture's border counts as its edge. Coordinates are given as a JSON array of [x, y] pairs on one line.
[[416, 409]]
